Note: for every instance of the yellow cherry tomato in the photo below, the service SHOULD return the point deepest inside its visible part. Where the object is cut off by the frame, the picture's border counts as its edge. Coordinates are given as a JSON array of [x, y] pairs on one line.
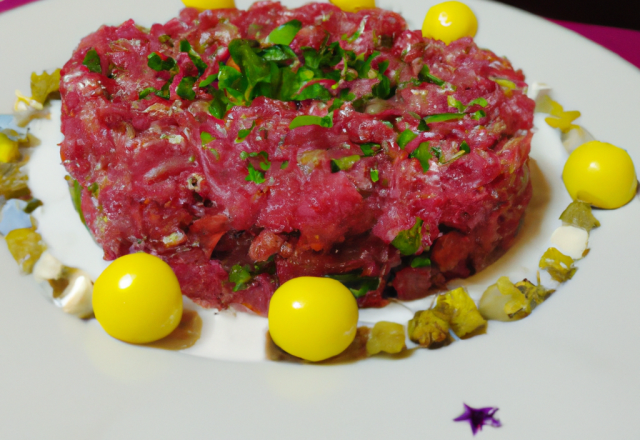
[[313, 318], [137, 299], [449, 21], [354, 5], [601, 174], [202, 5]]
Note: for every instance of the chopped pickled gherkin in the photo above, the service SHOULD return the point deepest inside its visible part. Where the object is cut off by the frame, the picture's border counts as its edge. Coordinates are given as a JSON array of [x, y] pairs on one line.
[[13, 182], [429, 327], [559, 265], [503, 301], [26, 246], [44, 84], [386, 336], [535, 294], [579, 214], [464, 317]]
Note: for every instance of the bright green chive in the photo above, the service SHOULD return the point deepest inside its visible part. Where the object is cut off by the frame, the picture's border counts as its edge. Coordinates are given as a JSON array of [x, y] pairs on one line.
[[420, 261], [406, 137], [479, 114], [423, 155], [408, 242], [215, 153], [374, 175], [285, 33], [92, 61], [284, 165], [464, 146], [344, 163], [443, 117]]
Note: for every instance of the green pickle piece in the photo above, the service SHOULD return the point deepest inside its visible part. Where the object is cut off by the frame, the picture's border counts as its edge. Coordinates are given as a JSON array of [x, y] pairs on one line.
[[386, 336], [559, 265], [26, 246], [13, 182], [579, 214], [44, 84], [464, 316], [503, 301], [429, 327], [535, 294]]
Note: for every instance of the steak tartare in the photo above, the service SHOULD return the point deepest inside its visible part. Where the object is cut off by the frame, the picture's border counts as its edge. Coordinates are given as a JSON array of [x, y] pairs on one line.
[[246, 148]]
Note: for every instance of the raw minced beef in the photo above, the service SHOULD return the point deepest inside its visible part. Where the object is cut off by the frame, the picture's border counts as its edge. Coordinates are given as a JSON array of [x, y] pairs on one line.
[[251, 203]]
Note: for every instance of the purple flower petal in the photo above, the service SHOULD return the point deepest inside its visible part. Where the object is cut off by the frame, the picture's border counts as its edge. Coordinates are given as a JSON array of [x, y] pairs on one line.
[[478, 417]]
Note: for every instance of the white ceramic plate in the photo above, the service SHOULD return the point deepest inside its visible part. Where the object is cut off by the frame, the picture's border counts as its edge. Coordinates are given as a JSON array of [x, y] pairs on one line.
[[568, 371]]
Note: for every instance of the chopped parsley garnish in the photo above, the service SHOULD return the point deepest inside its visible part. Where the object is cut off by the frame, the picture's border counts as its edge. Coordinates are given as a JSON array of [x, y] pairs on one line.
[[155, 62], [205, 137], [185, 88], [344, 163], [208, 80], [382, 90], [426, 76], [242, 134], [422, 126], [92, 61], [218, 107], [322, 121], [437, 152], [423, 155], [370, 149], [357, 33], [240, 275], [185, 46], [254, 175], [374, 175], [284, 165], [358, 285], [265, 164], [363, 67], [420, 261], [464, 146], [479, 114], [408, 242], [285, 33], [406, 137], [162, 93]]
